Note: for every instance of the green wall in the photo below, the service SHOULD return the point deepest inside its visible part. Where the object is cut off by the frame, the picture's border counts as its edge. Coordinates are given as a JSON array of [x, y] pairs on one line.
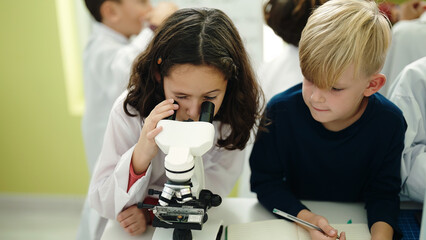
[[40, 141]]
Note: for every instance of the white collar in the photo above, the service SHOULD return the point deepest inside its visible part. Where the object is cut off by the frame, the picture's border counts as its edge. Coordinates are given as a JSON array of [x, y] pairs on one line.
[[423, 17], [102, 29]]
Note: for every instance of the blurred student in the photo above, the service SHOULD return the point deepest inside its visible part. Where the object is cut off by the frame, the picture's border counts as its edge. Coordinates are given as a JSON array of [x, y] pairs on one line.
[[408, 42], [197, 55], [121, 30], [407, 10], [333, 137], [287, 18], [409, 95]]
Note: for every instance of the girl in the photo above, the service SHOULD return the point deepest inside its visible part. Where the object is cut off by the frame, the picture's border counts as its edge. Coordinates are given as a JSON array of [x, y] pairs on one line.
[[196, 55]]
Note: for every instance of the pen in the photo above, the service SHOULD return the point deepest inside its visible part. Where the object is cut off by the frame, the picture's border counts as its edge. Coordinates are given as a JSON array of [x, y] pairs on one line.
[[298, 220]]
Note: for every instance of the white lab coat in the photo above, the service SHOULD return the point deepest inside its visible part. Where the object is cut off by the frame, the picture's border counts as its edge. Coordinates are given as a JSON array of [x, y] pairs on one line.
[[409, 94], [107, 59], [281, 73], [108, 188], [408, 44]]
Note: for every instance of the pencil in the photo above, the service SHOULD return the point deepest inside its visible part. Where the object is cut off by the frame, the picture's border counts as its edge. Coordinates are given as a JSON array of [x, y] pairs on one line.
[[298, 220]]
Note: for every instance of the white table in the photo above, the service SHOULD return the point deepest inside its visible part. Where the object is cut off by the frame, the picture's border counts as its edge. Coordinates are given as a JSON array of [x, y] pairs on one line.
[[243, 210]]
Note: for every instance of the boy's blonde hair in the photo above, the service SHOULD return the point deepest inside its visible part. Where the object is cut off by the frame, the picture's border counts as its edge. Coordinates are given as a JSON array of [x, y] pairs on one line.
[[340, 33]]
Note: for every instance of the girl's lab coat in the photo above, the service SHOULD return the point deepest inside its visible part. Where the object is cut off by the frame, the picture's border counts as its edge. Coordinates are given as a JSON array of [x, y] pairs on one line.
[[108, 188], [408, 94], [108, 59], [408, 45]]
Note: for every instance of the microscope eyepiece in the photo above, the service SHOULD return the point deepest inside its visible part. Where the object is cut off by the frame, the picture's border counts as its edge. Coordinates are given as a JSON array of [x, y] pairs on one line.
[[173, 117], [207, 112]]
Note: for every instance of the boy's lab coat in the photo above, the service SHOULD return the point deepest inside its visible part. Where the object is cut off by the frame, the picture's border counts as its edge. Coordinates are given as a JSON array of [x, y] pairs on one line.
[[409, 94], [107, 59]]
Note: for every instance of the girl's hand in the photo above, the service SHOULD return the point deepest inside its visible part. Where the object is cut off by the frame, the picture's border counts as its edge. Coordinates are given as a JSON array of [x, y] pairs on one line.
[[146, 148], [321, 222], [134, 220]]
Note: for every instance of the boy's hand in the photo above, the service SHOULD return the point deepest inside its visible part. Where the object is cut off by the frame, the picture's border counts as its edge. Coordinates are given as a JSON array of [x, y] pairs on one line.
[[162, 11], [321, 222], [381, 231], [146, 148], [134, 220]]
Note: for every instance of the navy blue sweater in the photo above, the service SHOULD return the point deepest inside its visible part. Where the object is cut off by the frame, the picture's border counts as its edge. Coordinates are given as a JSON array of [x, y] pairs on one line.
[[300, 159]]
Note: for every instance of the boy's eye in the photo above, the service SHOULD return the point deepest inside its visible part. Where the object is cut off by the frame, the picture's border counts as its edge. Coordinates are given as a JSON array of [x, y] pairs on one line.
[[209, 98], [181, 97], [336, 89]]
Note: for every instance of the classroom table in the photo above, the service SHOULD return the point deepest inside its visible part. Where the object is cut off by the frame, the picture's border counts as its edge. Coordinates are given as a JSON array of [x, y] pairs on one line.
[[244, 210]]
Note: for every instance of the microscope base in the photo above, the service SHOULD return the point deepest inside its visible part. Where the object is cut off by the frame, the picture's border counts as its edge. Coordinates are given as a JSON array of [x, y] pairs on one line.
[[211, 231]]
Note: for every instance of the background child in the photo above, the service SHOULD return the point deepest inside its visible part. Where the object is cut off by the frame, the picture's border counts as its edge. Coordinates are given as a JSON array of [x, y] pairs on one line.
[[332, 138], [119, 34], [108, 58], [409, 95], [408, 37], [287, 19], [196, 55]]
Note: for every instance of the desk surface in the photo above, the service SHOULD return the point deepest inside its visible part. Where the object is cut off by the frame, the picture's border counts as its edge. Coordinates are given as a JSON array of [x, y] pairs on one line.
[[243, 210]]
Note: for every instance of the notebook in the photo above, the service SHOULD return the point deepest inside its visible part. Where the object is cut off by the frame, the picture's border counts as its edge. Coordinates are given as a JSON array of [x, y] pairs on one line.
[[285, 230]]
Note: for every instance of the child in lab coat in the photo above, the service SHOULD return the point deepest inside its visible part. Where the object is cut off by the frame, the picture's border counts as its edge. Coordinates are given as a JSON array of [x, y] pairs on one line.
[[333, 137], [287, 19], [408, 93], [119, 33], [196, 55], [408, 41]]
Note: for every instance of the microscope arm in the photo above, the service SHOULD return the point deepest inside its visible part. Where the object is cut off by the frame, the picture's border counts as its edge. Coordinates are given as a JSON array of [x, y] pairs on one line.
[[199, 178]]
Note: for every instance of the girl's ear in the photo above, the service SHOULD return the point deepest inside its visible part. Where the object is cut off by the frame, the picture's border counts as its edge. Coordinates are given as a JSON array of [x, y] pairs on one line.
[[375, 83], [110, 12], [157, 76]]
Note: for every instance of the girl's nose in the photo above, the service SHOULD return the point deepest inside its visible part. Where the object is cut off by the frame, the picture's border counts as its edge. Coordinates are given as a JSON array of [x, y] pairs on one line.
[[193, 111]]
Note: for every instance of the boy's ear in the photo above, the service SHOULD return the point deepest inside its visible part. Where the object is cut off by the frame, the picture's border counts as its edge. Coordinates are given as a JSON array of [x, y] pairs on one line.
[[109, 11], [375, 83]]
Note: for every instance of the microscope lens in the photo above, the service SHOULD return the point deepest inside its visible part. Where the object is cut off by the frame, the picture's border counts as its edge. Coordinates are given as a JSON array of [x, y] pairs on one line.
[[207, 111]]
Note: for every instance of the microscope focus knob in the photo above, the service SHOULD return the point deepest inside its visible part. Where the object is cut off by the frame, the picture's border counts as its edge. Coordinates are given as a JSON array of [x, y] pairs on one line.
[[210, 199], [216, 200]]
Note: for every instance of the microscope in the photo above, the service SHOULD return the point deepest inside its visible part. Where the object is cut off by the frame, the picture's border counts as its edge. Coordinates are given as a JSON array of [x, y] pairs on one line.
[[183, 202]]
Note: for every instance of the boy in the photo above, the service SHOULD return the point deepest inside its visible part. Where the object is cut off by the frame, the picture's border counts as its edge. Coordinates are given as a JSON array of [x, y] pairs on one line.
[[119, 34], [108, 57], [333, 137]]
